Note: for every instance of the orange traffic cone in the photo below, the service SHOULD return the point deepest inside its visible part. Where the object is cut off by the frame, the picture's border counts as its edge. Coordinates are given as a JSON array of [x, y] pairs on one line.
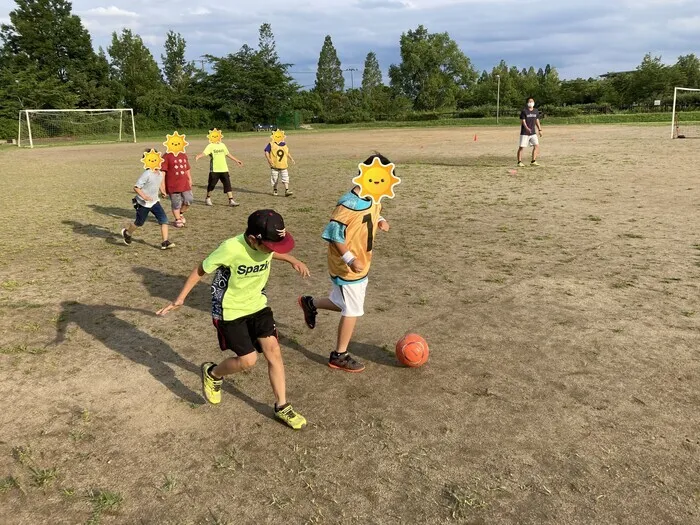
[[474, 137]]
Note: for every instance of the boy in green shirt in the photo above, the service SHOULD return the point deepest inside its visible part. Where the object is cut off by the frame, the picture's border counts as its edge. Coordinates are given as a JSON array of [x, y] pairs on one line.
[[244, 323], [218, 170]]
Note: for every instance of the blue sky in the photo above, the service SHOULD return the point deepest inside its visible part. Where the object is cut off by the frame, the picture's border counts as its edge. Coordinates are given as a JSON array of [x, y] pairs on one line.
[[580, 38]]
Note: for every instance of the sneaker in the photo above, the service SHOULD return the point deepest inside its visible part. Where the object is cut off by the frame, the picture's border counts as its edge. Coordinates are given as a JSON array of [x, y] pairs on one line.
[[291, 417], [345, 362], [182, 218], [166, 245], [521, 165], [306, 303], [211, 387], [287, 193], [274, 192], [179, 224], [535, 163], [126, 237], [208, 202], [232, 203]]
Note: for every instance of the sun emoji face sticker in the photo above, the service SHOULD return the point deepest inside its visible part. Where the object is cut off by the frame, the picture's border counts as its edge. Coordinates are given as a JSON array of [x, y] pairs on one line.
[[215, 136], [278, 136], [175, 143], [152, 160], [377, 180]]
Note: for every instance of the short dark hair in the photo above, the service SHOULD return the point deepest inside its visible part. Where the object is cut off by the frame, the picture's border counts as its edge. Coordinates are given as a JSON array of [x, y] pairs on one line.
[[148, 150], [377, 155], [530, 98]]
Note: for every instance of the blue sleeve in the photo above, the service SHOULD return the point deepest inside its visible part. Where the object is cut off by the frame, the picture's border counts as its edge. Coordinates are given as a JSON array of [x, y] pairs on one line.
[[334, 232], [268, 148]]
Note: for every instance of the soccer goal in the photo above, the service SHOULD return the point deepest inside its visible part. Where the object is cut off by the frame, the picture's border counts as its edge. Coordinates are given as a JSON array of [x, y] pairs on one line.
[[75, 126], [683, 123]]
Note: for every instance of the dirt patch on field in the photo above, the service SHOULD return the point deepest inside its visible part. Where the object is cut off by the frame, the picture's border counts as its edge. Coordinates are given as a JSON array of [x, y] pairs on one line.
[[560, 304]]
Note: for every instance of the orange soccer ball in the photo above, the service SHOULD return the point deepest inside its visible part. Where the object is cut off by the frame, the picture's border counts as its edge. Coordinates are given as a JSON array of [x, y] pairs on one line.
[[412, 350]]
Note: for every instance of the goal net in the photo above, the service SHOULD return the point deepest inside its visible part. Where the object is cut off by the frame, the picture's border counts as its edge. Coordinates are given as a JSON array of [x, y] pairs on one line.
[[41, 127], [685, 122]]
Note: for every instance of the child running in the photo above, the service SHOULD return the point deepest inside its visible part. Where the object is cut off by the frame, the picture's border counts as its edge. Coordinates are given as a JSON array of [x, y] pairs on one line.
[[350, 236], [147, 187], [278, 157], [244, 323], [218, 167]]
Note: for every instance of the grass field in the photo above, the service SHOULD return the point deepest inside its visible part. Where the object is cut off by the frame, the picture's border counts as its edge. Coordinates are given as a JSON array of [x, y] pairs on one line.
[[561, 305]]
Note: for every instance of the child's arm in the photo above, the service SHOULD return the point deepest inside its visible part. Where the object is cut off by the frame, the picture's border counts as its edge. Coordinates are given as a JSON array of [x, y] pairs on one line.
[[199, 156], [298, 266], [141, 194], [348, 257], [189, 178], [291, 158], [190, 283], [234, 159], [162, 188], [268, 156]]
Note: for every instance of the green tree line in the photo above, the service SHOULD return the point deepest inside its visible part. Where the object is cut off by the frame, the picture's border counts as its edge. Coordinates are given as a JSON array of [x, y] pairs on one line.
[[47, 61]]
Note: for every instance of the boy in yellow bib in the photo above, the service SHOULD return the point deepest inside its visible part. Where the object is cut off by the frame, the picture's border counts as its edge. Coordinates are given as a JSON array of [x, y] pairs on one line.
[[350, 236], [278, 157]]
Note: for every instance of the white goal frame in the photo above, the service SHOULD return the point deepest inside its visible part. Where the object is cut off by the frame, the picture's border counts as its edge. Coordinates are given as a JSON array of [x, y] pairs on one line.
[[674, 124], [25, 114]]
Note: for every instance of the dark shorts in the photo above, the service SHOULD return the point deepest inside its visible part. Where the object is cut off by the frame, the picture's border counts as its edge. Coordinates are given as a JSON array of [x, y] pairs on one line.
[[214, 179], [142, 214], [241, 335]]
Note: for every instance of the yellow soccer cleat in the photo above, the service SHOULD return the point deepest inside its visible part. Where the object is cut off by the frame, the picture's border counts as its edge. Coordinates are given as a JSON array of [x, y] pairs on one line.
[[211, 388], [520, 165], [290, 417], [535, 163]]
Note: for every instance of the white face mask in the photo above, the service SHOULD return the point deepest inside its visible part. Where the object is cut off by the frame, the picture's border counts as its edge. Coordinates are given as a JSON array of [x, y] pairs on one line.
[[531, 105]]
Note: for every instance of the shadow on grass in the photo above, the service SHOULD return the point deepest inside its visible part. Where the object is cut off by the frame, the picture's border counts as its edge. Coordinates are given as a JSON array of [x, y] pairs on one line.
[[109, 211], [100, 232], [482, 161], [102, 323]]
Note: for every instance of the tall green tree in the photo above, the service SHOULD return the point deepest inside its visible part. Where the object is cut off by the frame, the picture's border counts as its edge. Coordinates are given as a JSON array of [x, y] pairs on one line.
[[432, 71], [176, 69], [44, 37], [688, 67], [329, 75], [133, 68], [371, 74]]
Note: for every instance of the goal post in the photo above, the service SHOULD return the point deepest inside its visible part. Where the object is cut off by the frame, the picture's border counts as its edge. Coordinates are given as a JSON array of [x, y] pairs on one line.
[[684, 98], [75, 126]]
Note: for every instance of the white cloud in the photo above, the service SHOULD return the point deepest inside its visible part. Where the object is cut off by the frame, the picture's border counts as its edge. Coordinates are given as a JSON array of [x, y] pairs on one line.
[[198, 11], [112, 11]]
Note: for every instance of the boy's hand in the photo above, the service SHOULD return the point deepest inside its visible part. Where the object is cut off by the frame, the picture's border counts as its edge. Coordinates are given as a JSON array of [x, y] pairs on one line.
[[170, 307], [383, 225], [301, 269], [240, 163], [356, 266]]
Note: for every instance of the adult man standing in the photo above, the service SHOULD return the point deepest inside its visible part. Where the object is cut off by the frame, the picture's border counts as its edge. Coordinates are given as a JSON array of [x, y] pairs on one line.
[[529, 119]]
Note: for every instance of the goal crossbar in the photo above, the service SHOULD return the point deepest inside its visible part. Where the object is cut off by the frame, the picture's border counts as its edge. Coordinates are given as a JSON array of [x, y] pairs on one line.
[[60, 126], [674, 122]]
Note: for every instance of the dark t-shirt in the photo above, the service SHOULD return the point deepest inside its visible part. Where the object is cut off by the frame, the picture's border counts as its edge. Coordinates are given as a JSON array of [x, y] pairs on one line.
[[530, 116], [176, 168]]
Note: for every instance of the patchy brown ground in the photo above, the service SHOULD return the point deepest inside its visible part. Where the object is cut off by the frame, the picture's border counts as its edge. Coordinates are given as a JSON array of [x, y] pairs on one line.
[[560, 303]]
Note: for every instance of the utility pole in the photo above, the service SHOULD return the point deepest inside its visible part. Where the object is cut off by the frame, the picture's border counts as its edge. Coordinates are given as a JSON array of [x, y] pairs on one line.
[[352, 79]]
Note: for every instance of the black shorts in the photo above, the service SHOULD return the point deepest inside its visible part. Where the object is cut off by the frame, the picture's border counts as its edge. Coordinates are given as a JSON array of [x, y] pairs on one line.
[[214, 179], [241, 335]]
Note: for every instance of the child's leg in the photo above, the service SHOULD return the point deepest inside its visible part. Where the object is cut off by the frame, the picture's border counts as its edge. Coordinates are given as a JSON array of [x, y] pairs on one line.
[[274, 177], [131, 228], [211, 183], [324, 303], [187, 200], [162, 218], [284, 175], [176, 206], [233, 365], [141, 216], [275, 368], [228, 189], [345, 329]]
